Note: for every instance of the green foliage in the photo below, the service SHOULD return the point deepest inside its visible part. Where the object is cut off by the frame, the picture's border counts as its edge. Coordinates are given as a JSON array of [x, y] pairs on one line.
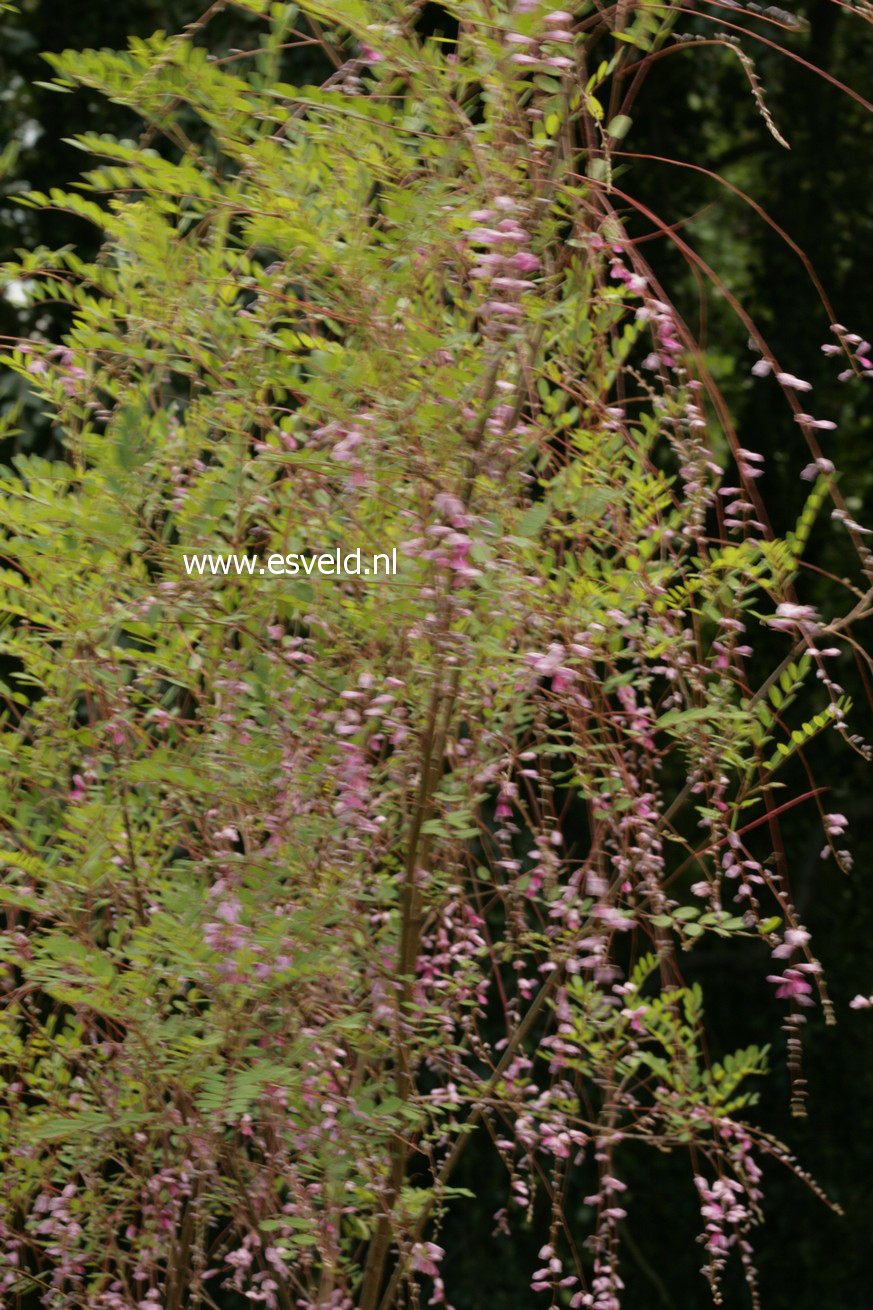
[[251, 966]]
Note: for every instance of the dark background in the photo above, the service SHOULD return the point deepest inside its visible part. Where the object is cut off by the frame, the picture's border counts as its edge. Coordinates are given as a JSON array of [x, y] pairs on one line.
[[695, 106]]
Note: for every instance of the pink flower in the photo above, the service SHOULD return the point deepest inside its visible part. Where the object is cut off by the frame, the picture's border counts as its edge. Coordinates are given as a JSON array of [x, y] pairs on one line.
[[491, 236], [790, 616], [546, 664], [861, 1002], [811, 472], [796, 384], [226, 834], [793, 940], [426, 1256], [612, 918], [825, 424], [229, 910], [791, 985], [634, 1016]]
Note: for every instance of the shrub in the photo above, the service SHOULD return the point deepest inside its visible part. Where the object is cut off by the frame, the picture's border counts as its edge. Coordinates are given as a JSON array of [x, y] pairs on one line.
[[310, 878]]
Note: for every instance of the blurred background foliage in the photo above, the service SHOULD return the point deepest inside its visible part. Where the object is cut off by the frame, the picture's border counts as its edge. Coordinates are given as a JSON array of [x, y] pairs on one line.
[[695, 107]]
